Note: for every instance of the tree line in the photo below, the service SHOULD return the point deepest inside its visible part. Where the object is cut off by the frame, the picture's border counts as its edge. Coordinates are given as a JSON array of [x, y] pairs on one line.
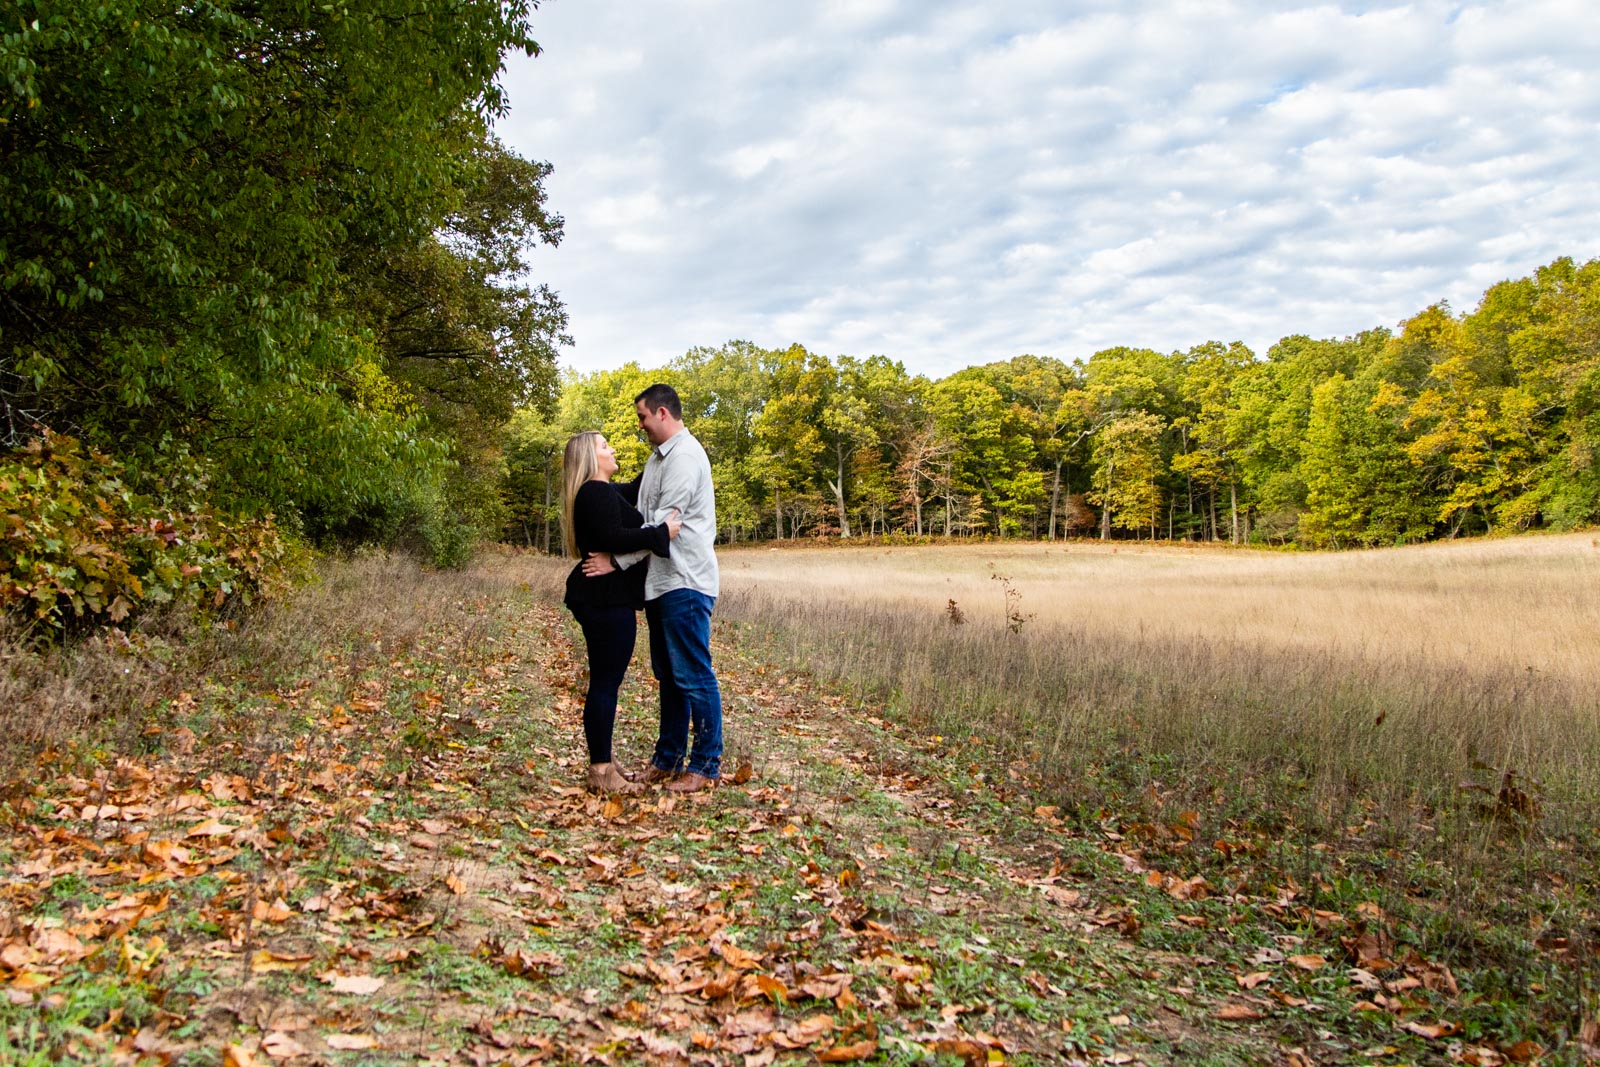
[[257, 259], [1451, 424]]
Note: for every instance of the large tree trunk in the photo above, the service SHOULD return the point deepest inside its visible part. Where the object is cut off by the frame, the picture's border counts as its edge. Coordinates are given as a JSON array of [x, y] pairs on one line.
[[777, 513], [1233, 506], [1055, 498], [1105, 507], [547, 505], [950, 475], [838, 494]]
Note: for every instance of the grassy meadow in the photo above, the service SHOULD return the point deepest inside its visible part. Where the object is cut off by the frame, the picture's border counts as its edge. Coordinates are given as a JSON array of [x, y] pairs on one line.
[[1381, 675], [1418, 726]]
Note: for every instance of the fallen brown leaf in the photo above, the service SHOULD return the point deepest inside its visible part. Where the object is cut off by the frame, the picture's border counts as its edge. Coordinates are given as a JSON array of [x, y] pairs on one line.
[[738, 957], [281, 1046], [825, 986], [807, 1031], [264, 962], [239, 1056], [361, 985], [1233, 1011], [276, 912], [847, 1053], [972, 1053]]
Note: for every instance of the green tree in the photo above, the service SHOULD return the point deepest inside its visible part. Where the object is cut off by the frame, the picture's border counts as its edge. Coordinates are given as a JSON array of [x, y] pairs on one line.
[[723, 391], [187, 193], [457, 324], [1127, 476], [1473, 433], [532, 482], [849, 425], [1271, 414], [989, 470], [1209, 452], [787, 438], [1048, 397], [1556, 356], [1363, 488]]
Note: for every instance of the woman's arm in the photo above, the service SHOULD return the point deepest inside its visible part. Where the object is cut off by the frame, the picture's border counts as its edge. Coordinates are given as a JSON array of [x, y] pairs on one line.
[[600, 525], [629, 491]]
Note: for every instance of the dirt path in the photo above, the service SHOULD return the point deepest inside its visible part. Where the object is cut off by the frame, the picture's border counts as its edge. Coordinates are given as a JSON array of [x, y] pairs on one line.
[[397, 865]]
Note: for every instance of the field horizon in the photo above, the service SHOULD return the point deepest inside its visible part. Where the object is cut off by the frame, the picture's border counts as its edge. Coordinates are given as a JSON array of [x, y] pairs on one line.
[[1528, 602]]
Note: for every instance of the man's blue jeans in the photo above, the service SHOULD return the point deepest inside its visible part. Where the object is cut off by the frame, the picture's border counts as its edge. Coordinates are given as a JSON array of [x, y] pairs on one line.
[[680, 658]]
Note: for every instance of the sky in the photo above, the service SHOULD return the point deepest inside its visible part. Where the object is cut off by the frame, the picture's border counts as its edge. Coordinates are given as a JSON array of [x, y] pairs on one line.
[[949, 184]]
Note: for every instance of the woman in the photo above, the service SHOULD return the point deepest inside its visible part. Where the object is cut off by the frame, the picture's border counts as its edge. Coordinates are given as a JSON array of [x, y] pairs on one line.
[[595, 517]]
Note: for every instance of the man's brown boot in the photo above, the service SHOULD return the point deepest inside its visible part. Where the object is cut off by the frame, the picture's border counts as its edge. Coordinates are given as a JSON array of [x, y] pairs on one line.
[[692, 783]]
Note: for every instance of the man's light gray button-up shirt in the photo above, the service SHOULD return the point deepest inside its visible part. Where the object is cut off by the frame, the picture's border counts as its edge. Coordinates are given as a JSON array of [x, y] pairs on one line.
[[678, 475]]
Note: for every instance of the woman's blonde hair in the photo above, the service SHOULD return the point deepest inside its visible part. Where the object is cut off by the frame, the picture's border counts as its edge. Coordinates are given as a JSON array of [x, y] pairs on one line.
[[579, 463]]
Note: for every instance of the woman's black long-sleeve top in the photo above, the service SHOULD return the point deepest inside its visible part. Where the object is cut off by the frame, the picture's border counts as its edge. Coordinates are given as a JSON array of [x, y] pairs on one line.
[[604, 520]]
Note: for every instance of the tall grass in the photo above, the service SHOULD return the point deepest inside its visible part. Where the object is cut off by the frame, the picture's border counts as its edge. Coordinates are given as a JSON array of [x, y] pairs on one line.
[[1426, 720], [1386, 675], [362, 612]]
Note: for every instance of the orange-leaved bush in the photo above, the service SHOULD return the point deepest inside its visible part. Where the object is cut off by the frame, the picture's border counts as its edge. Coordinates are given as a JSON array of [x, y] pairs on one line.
[[80, 546]]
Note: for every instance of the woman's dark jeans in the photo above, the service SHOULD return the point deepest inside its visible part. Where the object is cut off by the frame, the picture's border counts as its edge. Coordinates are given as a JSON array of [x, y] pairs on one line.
[[609, 634]]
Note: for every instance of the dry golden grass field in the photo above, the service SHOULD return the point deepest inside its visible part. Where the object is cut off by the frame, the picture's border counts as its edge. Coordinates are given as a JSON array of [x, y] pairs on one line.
[[1394, 685], [1517, 604]]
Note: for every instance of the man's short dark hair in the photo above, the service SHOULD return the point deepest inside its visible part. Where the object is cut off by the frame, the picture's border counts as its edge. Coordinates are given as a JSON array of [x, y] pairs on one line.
[[660, 396]]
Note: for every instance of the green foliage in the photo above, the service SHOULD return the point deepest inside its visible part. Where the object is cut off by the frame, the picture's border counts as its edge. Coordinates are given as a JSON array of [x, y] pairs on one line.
[[281, 234], [80, 546], [1363, 487], [1126, 485]]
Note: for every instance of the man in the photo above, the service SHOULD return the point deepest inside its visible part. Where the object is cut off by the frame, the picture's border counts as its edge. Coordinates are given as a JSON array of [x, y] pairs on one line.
[[679, 593]]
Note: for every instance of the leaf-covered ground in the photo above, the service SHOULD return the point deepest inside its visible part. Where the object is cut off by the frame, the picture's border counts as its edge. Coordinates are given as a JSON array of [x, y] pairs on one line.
[[391, 860]]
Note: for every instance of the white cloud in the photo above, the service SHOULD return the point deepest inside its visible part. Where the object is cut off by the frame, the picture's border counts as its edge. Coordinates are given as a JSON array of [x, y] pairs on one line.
[[948, 184]]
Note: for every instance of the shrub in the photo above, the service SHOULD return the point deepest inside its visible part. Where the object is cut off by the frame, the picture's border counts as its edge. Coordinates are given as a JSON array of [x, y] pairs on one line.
[[80, 546]]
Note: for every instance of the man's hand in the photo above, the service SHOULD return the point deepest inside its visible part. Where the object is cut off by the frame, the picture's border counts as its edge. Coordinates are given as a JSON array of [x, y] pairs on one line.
[[598, 563]]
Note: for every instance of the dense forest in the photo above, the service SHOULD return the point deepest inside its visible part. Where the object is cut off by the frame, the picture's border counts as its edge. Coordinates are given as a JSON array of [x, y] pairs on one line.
[[1451, 425], [266, 282]]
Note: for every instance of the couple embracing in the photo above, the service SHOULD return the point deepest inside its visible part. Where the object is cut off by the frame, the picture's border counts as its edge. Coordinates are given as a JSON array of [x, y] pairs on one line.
[[647, 543]]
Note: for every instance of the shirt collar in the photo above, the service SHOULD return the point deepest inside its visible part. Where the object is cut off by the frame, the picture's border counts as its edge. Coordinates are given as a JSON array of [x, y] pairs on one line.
[[672, 442]]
